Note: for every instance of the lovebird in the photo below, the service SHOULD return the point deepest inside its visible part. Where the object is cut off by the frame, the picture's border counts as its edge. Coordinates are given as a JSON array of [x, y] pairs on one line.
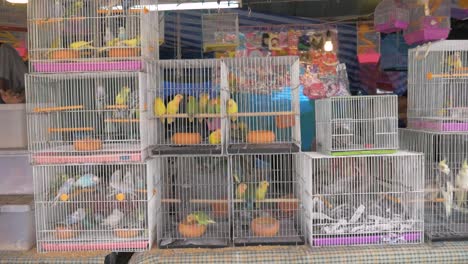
[[66, 188], [214, 106], [192, 107], [173, 107], [232, 109], [461, 183], [215, 137], [87, 181], [448, 198], [113, 219], [159, 108], [200, 218], [262, 189], [81, 45], [122, 96], [202, 104], [241, 191], [76, 217]]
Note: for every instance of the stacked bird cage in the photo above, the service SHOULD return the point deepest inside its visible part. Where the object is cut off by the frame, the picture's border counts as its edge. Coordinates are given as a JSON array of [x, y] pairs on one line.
[[446, 181], [263, 105], [186, 103], [368, 199], [94, 207], [437, 95], [368, 43], [357, 125], [266, 199], [220, 32], [391, 16], [89, 35]]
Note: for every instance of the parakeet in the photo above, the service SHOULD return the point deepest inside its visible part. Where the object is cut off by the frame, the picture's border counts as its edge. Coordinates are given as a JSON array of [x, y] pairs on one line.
[[124, 186], [100, 96], [241, 190], [192, 107], [74, 8], [78, 45], [86, 181], [200, 218], [66, 188], [113, 219], [448, 198], [159, 108], [76, 217], [173, 107], [202, 104], [131, 42], [214, 107], [232, 109], [215, 137], [454, 62], [461, 183], [262, 190], [122, 33], [122, 96]]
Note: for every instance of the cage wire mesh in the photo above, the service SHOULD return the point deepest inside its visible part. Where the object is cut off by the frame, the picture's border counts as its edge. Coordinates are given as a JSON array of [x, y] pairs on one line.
[[91, 35], [446, 181], [94, 207], [357, 125], [429, 21], [263, 106], [265, 199], [369, 199], [194, 201], [186, 101], [220, 31], [86, 117], [437, 81], [391, 16]]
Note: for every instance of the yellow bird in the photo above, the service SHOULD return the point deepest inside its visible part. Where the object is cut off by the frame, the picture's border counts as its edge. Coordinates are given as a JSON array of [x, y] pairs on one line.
[[159, 108], [81, 45], [215, 137], [262, 189], [131, 42], [173, 107], [202, 104], [232, 109], [122, 96]]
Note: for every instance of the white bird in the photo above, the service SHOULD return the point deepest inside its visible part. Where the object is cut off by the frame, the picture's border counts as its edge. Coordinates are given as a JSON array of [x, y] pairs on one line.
[[443, 167], [113, 219], [448, 198], [461, 183], [75, 217], [66, 188]]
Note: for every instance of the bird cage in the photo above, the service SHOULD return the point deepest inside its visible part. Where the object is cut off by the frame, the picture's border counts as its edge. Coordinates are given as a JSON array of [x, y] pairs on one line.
[[357, 125], [437, 80], [368, 43], [88, 35], [429, 21], [394, 52], [368, 199], [193, 201], [391, 16], [185, 99], [265, 199], [162, 19], [94, 207], [460, 9], [86, 118], [220, 32], [446, 181], [263, 105]]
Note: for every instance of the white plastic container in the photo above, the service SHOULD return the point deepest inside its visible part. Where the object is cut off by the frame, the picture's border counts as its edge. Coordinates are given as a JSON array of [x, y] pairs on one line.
[[15, 172], [16, 222], [13, 133]]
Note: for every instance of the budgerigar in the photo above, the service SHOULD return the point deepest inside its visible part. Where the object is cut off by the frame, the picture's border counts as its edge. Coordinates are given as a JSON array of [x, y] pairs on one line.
[[122, 33], [461, 183], [74, 8], [447, 194], [173, 107], [261, 191], [87, 181], [214, 107], [202, 104], [215, 137], [159, 108], [232, 108], [100, 96], [78, 45], [200, 218], [122, 96], [113, 219], [66, 188], [192, 107], [76, 217], [134, 42]]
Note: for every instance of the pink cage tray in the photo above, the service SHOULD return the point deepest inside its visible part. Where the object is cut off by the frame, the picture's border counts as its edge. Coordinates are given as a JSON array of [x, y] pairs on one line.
[[392, 26], [95, 246], [87, 66], [438, 126], [369, 58], [431, 30], [362, 239]]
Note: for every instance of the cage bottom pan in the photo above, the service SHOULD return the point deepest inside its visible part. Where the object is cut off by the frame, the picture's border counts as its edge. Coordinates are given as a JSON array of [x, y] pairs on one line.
[[364, 152], [274, 148], [288, 234], [363, 239], [194, 149], [438, 126], [447, 232], [56, 67], [216, 236]]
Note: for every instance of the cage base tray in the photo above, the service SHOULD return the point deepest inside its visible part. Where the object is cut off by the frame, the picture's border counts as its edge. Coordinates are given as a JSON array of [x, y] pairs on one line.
[[86, 246], [364, 152], [51, 67], [193, 243], [439, 127], [219, 47], [257, 241], [263, 148], [454, 232], [361, 239], [188, 149]]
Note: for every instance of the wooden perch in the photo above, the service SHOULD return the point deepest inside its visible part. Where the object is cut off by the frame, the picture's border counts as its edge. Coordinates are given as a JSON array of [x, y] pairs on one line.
[[398, 200], [70, 129], [121, 120], [255, 114], [431, 76], [116, 107], [57, 109]]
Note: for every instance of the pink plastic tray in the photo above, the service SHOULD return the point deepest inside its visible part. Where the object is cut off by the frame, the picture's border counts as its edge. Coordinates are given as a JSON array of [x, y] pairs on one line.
[[94, 246], [392, 26], [87, 66], [54, 158], [439, 126], [369, 58]]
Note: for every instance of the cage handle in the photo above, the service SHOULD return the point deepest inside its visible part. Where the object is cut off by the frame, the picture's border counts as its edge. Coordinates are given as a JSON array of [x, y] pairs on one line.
[[418, 49]]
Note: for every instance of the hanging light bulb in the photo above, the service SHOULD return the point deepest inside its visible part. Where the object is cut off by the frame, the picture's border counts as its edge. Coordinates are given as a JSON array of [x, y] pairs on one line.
[[17, 1], [328, 42]]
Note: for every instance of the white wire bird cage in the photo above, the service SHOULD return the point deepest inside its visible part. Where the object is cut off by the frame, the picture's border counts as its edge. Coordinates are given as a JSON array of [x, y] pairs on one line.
[[90, 35], [86, 118], [263, 112], [220, 32], [357, 125], [161, 24], [446, 181], [429, 21], [391, 16], [95, 207], [185, 98], [358, 200], [437, 81], [266, 206], [193, 201]]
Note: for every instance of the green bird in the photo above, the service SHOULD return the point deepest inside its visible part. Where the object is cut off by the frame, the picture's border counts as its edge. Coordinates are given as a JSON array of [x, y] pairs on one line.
[[261, 191], [192, 107], [200, 218]]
